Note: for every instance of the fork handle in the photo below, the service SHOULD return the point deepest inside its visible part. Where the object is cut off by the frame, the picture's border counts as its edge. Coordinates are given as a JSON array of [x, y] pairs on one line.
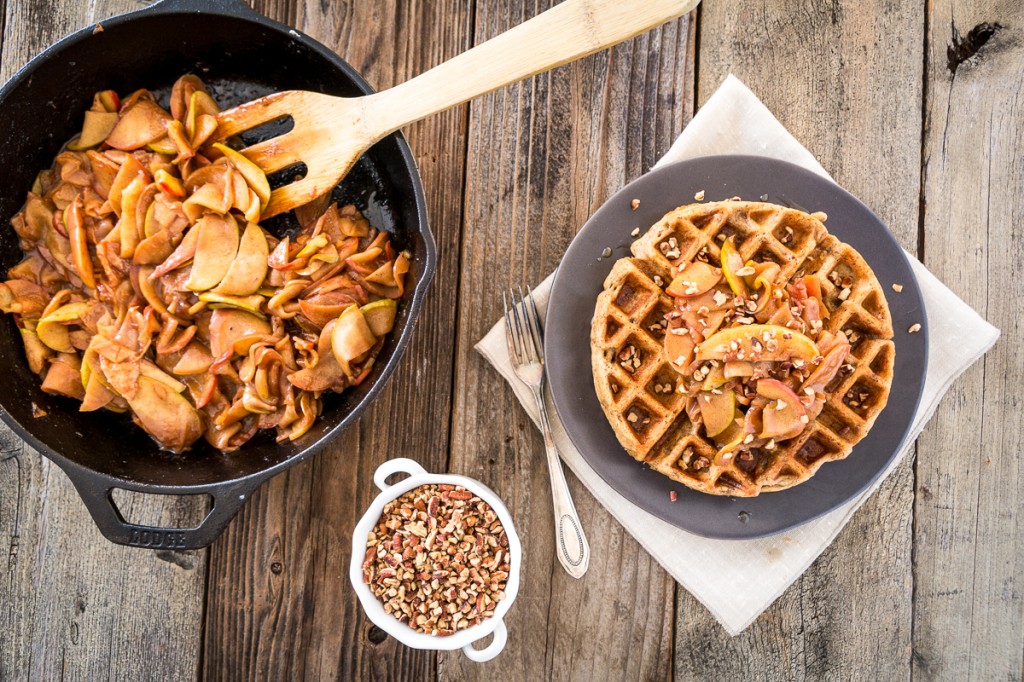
[[570, 541], [567, 31]]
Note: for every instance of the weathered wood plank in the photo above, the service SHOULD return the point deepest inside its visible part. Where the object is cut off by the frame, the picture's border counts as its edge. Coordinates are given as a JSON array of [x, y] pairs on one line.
[[845, 78], [543, 155], [73, 605], [280, 606], [969, 544]]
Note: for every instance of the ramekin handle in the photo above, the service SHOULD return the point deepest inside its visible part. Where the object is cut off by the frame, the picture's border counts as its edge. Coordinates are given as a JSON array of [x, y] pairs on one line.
[[400, 465], [493, 649]]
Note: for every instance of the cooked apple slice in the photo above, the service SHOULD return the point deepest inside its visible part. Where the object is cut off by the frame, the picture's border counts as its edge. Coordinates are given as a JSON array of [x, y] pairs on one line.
[[813, 287], [169, 183], [149, 224], [38, 218], [52, 331], [35, 350], [826, 371], [185, 251], [129, 170], [163, 146], [718, 410], [96, 393], [773, 389], [69, 312], [753, 420], [153, 250], [97, 126], [730, 439], [320, 309], [107, 100], [150, 369], [74, 224], [326, 373], [732, 262], [165, 214], [380, 316], [785, 416], [142, 123], [250, 304], [104, 170], [200, 104], [128, 224], [715, 378], [249, 268], [205, 199], [216, 247], [351, 336], [165, 415], [206, 126], [181, 94], [760, 282], [738, 368], [679, 349], [62, 379], [252, 173], [195, 359], [89, 357], [148, 288], [781, 425], [179, 138], [757, 343], [312, 246], [695, 279], [231, 325]]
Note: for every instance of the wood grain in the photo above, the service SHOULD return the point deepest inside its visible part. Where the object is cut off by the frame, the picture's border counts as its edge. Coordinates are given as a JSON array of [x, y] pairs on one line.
[[543, 155], [969, 545], [280, 606], [72, 605], [819, 68], [925, 583]]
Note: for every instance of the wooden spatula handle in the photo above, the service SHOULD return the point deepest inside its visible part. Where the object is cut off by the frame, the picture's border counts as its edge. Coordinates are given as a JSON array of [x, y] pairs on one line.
[[568, 31]]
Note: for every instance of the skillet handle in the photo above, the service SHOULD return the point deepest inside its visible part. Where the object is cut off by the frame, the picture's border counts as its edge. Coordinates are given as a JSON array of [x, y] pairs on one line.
[[95, 491]]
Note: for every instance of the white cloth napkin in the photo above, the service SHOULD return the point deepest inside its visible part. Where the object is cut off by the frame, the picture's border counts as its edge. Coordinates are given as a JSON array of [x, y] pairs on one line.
[[738, 580]]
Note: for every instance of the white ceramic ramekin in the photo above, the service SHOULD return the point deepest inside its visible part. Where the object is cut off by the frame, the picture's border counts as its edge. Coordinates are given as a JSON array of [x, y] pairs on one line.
[[463, 639]]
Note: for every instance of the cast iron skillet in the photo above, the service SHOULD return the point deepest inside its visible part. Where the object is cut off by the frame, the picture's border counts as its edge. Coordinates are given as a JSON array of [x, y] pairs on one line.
[[241, 55]]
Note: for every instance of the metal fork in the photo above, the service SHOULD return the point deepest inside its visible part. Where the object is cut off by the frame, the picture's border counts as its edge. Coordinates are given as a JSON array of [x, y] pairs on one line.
[[525, 347]]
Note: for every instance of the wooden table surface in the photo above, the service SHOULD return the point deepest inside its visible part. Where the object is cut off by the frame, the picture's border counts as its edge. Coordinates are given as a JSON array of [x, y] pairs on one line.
[[926, 582]]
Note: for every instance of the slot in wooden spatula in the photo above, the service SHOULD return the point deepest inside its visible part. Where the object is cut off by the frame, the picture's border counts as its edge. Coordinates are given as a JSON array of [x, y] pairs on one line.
[[331, 133]]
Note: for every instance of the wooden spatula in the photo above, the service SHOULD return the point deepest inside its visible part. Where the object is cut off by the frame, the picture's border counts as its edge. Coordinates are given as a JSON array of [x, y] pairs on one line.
[[331, 133]]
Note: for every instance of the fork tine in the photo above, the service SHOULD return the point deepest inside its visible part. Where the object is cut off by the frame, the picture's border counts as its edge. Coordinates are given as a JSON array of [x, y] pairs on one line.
[[520, 341], [535, 328], [514, 337], [509, 331], [528, 327], [520, 336], [528, 323]]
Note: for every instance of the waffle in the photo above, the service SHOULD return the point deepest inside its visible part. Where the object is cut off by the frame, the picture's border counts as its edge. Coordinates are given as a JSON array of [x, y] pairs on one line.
[[639, 389]]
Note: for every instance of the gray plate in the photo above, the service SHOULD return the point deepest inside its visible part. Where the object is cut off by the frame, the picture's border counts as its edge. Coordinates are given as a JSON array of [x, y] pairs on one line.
[[567, 343]]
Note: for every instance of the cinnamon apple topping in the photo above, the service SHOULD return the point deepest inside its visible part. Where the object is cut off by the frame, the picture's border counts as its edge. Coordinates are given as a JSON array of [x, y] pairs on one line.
[[752, 350], [148, 285]]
